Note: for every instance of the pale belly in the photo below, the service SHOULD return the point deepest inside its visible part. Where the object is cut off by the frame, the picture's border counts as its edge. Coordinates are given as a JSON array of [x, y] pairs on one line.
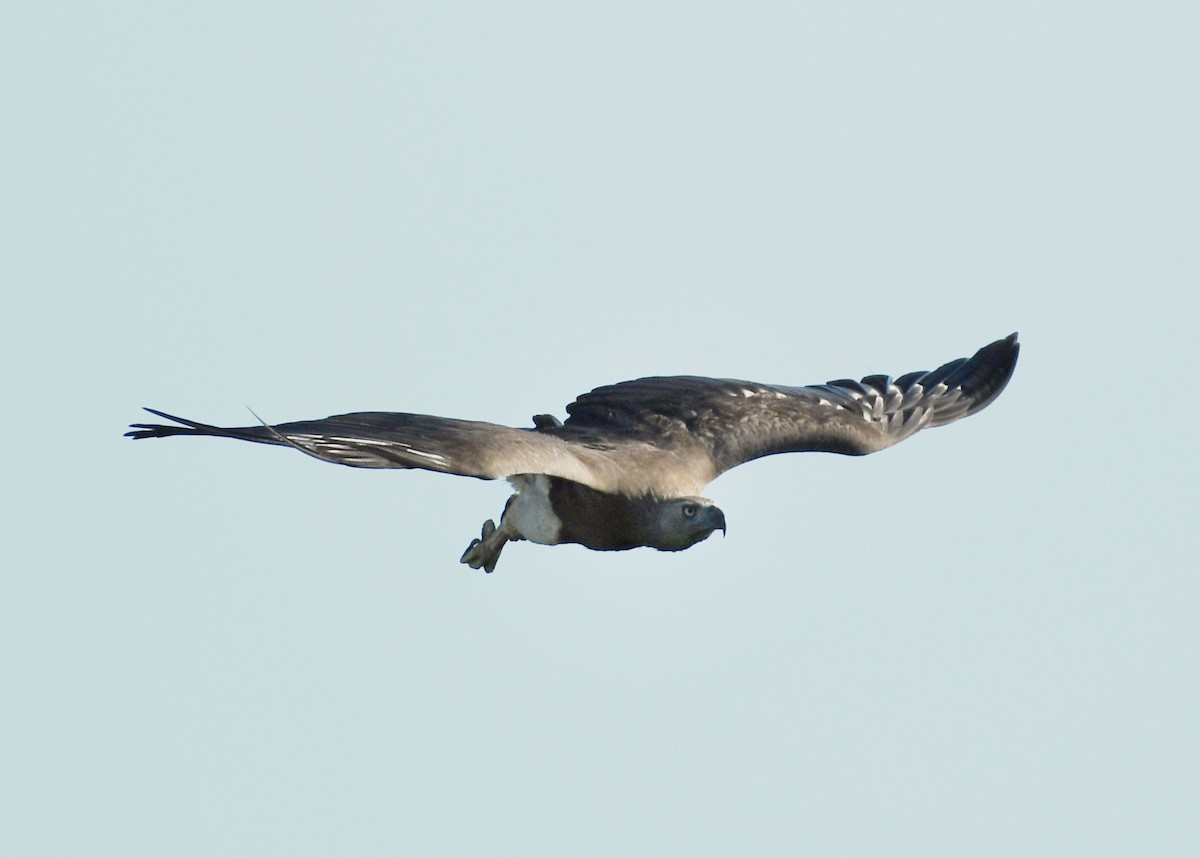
[[529, 514]]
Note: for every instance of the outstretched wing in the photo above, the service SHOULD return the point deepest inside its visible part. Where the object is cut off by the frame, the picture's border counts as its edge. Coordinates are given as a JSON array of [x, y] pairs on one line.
[[395, 440], [664, 436], [731, 422]]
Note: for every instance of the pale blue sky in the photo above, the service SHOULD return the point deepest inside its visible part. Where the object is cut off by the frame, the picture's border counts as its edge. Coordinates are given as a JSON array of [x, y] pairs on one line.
[[982, 642]]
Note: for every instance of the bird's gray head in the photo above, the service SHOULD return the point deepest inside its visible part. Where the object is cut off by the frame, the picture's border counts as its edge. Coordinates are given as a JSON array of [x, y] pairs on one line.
[[678, 523]]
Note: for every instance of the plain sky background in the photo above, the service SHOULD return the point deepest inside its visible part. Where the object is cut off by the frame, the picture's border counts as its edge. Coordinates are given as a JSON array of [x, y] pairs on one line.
[[982, 642]]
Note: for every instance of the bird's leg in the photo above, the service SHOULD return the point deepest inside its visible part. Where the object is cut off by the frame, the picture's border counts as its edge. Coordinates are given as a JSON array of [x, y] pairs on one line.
[[485, 551]]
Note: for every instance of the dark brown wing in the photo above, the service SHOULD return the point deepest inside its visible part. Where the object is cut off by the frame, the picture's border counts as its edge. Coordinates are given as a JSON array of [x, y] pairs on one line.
[[731, 422]]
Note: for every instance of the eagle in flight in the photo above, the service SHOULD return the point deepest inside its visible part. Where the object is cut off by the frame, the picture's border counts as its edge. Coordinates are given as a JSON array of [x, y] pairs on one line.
[[626, 468]]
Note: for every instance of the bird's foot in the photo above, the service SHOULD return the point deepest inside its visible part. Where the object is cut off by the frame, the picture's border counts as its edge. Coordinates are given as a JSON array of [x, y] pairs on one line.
[[485, 551]]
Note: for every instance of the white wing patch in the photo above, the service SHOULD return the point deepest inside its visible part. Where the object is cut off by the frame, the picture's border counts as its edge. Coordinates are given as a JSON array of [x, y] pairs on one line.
[[412, 451], [749, 392], [349, 451]]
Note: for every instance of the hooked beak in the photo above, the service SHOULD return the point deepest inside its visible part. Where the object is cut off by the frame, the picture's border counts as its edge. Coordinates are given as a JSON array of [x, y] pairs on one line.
[[718, 520]]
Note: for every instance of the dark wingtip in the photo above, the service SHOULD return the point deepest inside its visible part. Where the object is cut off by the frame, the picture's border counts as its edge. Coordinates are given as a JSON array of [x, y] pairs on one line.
[[990, 370], [1008, 348], [155, 430], [165, 416]]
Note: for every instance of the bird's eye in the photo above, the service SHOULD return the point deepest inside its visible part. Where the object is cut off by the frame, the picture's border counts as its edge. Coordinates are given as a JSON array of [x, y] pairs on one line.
[[689, 509]]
